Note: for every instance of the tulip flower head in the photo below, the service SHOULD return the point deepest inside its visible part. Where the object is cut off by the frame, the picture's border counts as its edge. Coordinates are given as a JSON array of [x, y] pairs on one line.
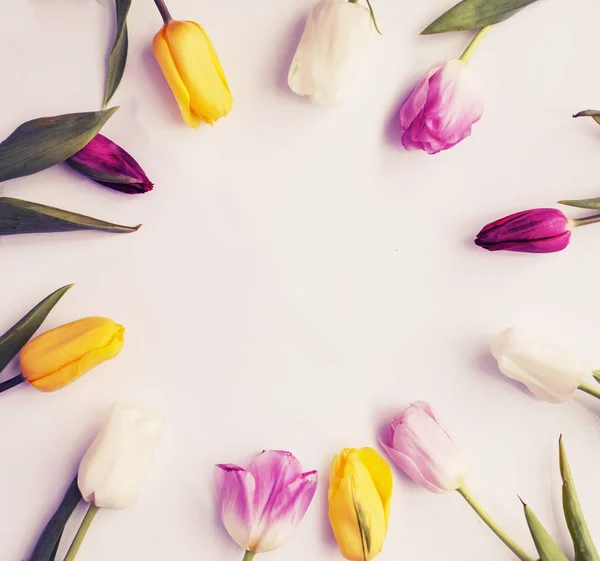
[[360, 491], [423, 450], [108, 164], [60, 356], [263, 504], [335, 36]]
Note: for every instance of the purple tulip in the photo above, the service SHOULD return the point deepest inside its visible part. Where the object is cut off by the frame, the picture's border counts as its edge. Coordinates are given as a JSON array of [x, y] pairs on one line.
[[540, 230], [262, 505], [440, 111], [108, 164]]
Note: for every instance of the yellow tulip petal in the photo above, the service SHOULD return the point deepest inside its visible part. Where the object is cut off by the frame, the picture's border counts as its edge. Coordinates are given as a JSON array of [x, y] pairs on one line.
[[169, 70], [381, 474]]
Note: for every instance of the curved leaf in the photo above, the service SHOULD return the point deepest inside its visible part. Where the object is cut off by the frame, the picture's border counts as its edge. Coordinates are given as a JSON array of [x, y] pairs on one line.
[[118, 55], [589, 113]]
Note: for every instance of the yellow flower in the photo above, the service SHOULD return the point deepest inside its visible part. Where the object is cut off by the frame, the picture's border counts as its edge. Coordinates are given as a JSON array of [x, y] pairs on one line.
[[60, 356], [192, 69], [360, 490]]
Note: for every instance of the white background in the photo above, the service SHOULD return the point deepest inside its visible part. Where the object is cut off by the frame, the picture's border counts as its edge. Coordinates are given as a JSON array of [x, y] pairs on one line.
[[299, 278]]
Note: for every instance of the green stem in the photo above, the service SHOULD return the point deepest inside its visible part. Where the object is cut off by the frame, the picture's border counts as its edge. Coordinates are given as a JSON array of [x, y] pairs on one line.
[[164, 11], [584, 221], [479, 36], [589, 389], [371, 12], [248, 556], [83, 529], [11, 383], [492, 525]]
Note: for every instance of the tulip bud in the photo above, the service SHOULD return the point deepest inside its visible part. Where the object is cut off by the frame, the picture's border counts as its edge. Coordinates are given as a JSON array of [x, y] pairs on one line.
[[60, 356], [441, 110], [423, 450], [112, 471], [108, 164], [334, 38], [360, 491], [262, 505], [550, 372], [192, 68], [540, 230]]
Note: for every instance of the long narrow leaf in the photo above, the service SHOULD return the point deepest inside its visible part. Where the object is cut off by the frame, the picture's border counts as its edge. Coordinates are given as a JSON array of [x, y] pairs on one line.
[[545, 545], [118, 54], [475, 14], [583, 203], [42, 143], [585, 550], [16, 337], [24, 217], [593, 113]]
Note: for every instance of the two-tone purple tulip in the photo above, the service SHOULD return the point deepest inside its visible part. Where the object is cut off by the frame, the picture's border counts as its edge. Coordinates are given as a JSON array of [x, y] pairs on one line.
[[107, 163], [262, 505]]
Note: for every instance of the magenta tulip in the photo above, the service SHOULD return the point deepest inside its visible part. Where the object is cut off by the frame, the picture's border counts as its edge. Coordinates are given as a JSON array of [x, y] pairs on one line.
[[423, 450], [108, 164], [441, 110], [262, 505], [540, 230]]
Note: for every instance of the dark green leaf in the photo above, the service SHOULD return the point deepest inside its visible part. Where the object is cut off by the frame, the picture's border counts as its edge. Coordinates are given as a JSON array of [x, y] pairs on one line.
[[118, 54], [589, 113], [24, 217], [475, 14], [585, 550], [596, 375], [42, 143], [363, 525], [583, 203], [47, 545], [545, 545]]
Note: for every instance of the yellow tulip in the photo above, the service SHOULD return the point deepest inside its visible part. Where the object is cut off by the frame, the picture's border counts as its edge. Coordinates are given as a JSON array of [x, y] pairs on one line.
[[360, 490], [60, 356], [192, 68]]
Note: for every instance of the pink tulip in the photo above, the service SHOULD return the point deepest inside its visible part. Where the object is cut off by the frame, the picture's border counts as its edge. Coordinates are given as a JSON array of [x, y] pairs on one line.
[[423, 450], [108, 164], [262, 505], [440, 111]]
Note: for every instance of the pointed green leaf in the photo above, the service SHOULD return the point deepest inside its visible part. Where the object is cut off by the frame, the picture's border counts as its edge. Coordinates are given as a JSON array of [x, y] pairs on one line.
[[596, 375], [16, 337], [363, 525], [589, 113], [42, 143], [583, 203], [118, 54], [545, 545], [24, 217], [582, 539], [47, 545], [475, 14]]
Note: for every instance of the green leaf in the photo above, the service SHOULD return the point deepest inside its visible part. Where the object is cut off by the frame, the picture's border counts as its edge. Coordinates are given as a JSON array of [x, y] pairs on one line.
[[47, 545], [42, 143], [582, 203], [545, 545], [475, 14], [363, 525], [16, 337], [589, 113], [596, 375], [24, 217], [585, 550], [118, 54]]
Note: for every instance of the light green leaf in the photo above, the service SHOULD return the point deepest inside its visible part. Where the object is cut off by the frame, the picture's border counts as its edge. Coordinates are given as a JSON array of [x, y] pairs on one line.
[[596, 375], [16, 337], [42, 143], [475, 14], [589, 113], [118, 54], [583, 203], [585, 550], [545, 545], [24, 217]]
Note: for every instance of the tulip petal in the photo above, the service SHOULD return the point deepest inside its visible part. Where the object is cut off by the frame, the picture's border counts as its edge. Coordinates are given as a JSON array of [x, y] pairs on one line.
[[381, 474], [410, 468], [235, 488]]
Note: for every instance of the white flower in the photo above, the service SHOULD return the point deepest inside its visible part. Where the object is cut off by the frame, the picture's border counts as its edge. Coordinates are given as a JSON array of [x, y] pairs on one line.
[[113, 469], [335, 35], [550, 372]]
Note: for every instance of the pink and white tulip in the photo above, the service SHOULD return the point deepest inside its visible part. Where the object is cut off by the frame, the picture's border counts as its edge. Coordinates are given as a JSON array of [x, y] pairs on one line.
[[423, 450], [262, 505], [441, 110]]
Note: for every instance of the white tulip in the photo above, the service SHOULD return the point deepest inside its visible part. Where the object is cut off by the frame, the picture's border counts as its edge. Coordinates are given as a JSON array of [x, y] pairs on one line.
[[113, 469], [335, 35], [550, 372]]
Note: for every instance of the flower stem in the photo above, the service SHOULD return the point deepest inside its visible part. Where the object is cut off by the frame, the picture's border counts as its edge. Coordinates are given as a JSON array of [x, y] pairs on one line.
[[79, 537], [164, 11], [371, 13], [587, 220], [479, 36], [248, 556], [11, 383], [589, 389], [492, 525]]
